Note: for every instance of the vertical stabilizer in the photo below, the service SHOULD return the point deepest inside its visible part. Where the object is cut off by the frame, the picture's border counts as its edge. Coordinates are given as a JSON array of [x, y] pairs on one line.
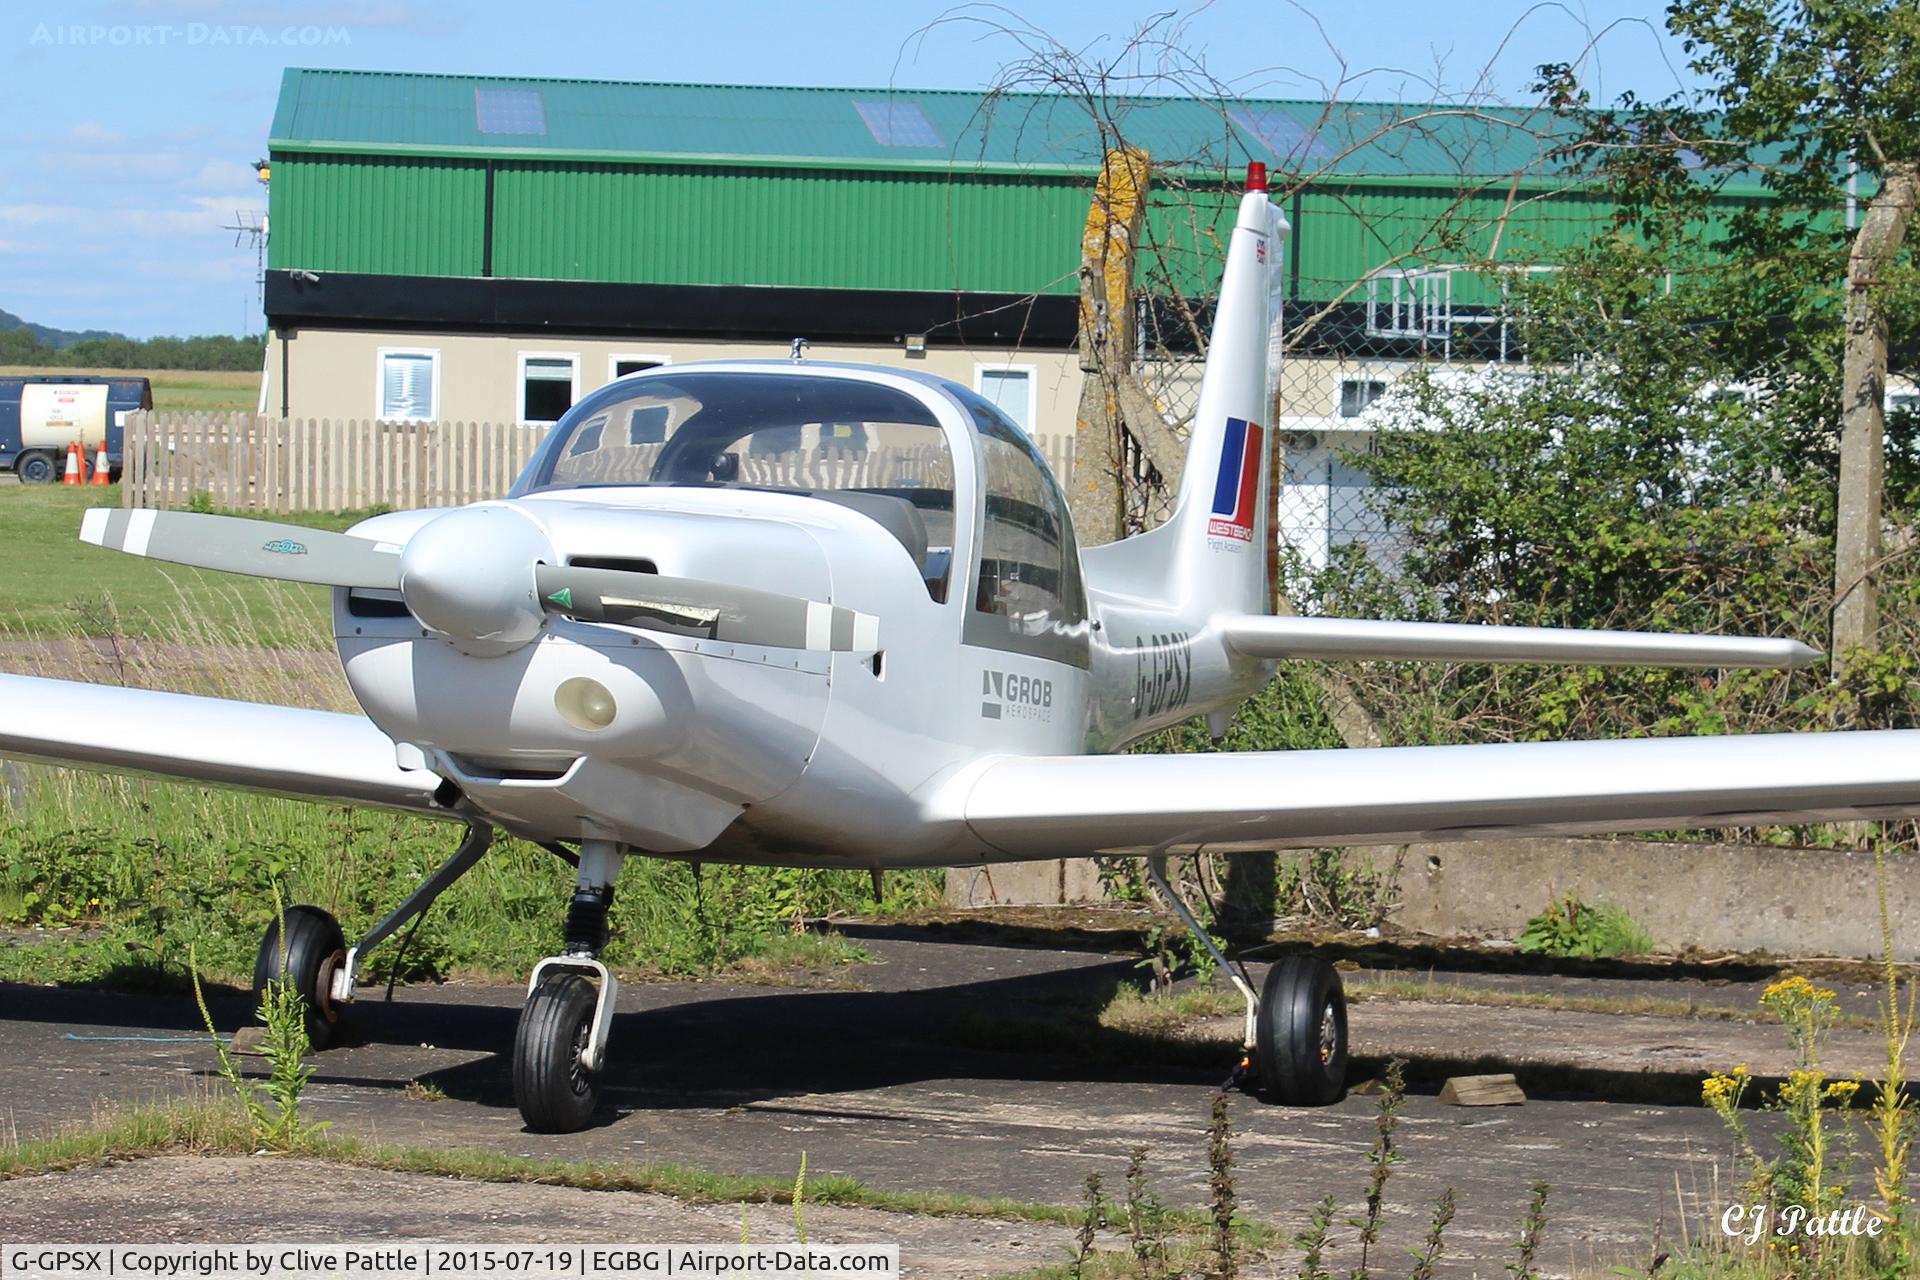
[[1211, 556]]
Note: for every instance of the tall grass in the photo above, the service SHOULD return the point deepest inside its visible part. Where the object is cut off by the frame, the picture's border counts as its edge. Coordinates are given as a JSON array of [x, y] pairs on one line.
[[158, 867]]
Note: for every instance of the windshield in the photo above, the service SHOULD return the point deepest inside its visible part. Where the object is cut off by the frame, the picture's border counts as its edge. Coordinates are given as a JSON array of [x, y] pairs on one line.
[[868, 447]]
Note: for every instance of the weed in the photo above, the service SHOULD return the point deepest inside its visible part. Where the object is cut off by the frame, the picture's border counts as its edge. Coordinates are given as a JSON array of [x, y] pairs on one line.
[[1146, 1217], [1093, 1218], [1313, 1241], [1220, 1188], [1527, 1249], [1380, 1160], [800, 1200], [273, 1106], [424, 1091], [1573, 928], [1429, 1254]]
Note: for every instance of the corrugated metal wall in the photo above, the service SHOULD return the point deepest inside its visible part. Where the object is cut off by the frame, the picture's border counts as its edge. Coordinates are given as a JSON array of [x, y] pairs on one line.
[[705, 224], [798, 227], [375, 214]]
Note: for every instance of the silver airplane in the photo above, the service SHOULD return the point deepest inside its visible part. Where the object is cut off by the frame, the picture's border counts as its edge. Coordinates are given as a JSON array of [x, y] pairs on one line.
[[807, 614]]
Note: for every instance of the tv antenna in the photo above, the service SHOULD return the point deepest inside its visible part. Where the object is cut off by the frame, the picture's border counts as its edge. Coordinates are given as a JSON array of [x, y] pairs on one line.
[[249, 227]]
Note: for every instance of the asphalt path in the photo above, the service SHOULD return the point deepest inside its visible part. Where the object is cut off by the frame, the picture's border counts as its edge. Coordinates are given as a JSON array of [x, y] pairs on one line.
[[887, 1083]]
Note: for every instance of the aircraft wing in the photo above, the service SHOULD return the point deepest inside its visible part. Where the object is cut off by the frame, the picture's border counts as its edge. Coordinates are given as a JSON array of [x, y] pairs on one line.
[[289, 751], [1065, 806], [1371, 639]]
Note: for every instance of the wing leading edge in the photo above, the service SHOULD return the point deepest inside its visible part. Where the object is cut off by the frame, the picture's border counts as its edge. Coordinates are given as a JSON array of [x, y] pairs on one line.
[[1369, 639], [1063, 806], [310, 755]]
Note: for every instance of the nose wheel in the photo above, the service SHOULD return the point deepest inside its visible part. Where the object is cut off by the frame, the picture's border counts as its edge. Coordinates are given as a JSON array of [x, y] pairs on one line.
[[561, 1044], [553, 1085]]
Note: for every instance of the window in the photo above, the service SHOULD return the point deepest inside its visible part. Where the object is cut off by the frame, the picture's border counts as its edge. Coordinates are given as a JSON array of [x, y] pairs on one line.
[[1410, 303], [626, 362], [1027, 593], [898, 124], [1286, 137], [406, 385], [790, 433], [1009, 388], [1356, 395], [549, 384], [518, 111]]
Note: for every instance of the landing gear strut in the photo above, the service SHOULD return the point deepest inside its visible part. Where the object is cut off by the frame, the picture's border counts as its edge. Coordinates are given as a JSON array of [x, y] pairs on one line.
[[1294, 1047], [561, 1042]]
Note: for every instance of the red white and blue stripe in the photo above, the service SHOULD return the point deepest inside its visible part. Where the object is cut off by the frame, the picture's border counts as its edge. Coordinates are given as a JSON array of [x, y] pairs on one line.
[[1236, 489]]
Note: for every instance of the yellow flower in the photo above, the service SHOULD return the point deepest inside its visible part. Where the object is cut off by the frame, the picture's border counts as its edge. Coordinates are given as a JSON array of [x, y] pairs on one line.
[[1843, 1090], [1720, 1089], [1794, 989]]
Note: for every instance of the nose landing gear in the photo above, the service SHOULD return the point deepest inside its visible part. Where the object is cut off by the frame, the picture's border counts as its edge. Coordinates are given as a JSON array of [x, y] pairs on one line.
[[560, 1045]]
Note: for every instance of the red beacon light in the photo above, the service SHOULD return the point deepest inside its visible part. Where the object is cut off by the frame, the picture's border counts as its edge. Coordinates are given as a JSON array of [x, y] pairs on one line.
[[1256, 175]]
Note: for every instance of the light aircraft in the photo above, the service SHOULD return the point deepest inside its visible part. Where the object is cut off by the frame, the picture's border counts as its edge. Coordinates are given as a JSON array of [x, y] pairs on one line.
[[672, 639]]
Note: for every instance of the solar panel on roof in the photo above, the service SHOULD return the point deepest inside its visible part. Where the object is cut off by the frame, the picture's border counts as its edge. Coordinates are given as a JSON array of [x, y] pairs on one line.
[[1285, 136], [509, 110], [898, 124]]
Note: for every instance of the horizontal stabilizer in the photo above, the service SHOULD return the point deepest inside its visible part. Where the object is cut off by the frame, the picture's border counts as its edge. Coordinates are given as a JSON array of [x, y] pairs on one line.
[[1368, 640], [289, 751], [1063, 806], [260, 548]]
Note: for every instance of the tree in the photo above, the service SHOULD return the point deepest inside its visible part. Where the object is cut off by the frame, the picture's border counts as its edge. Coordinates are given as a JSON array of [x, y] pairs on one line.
[[1811, 92]]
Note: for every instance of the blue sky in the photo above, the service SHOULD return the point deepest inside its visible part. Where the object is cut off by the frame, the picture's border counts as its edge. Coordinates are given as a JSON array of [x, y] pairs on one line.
[[136, 121]]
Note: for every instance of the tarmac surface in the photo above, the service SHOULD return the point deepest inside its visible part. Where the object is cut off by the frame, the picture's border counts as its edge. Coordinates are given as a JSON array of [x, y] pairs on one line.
[[937, 1073]]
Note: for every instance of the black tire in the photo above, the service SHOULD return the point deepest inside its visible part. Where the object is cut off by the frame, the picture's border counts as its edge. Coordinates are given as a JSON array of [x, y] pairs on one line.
[[553, 1089], [36, 467], [1302, 1034], [314, 949]]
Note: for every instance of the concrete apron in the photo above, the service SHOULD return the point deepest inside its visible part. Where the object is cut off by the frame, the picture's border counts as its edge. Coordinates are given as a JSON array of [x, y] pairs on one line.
[[1717, 897]]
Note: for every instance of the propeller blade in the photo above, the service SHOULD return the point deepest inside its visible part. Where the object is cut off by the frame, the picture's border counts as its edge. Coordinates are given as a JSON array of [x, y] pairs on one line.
[[259, 548], [707, 610]]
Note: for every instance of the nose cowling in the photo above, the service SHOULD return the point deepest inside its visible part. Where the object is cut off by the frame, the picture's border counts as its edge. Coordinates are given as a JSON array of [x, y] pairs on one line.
[[469, 575]]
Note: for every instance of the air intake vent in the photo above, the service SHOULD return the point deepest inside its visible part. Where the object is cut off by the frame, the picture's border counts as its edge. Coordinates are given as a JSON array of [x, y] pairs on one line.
[[514, 769], [367, 603], [624, 563]]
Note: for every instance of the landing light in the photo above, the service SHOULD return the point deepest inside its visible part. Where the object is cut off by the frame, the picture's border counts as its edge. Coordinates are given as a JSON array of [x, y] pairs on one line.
[[584, 704]]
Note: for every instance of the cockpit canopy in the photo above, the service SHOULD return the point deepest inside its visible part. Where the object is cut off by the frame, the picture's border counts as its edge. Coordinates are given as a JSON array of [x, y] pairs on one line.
[[875, 448]]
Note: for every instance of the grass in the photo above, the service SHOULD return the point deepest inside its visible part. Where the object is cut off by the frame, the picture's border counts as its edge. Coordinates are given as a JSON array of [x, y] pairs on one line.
[[180, 390], [57, 587], [221, 1128]]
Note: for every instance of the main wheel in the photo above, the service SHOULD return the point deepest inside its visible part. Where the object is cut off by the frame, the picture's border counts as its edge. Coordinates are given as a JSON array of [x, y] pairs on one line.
[[313, 949], [1302, 1033], [35, 467], [551, 1084]]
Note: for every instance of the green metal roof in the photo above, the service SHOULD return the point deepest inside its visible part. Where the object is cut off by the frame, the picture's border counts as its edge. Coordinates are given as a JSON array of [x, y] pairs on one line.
[[401, 113]]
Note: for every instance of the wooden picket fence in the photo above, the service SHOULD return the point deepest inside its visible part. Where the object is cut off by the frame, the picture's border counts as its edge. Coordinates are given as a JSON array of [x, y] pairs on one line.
[[247, 463], [242, 462]]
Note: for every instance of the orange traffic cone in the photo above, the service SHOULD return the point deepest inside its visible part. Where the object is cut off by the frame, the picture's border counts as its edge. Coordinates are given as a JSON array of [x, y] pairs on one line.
[[100, 467], [76, 469]]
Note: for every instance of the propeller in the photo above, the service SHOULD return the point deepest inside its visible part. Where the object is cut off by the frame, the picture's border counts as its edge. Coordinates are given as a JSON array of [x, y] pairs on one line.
[[480, 576], [713, 610], [259, 548]]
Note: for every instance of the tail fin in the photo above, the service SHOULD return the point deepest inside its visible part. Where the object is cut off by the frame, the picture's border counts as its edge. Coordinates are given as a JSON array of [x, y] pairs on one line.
[[1211, 556]]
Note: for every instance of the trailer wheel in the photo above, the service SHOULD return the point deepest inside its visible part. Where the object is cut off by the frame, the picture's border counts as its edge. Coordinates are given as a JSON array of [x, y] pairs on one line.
[[35, 467]]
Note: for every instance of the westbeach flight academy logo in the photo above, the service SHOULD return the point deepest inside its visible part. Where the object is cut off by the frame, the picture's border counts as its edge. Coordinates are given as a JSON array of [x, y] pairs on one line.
[[1006, 695], [1237, 487]]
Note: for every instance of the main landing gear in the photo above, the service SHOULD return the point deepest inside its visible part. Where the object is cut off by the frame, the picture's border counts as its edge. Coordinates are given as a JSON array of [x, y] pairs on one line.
[[1295, 1042], [560, 1045]]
